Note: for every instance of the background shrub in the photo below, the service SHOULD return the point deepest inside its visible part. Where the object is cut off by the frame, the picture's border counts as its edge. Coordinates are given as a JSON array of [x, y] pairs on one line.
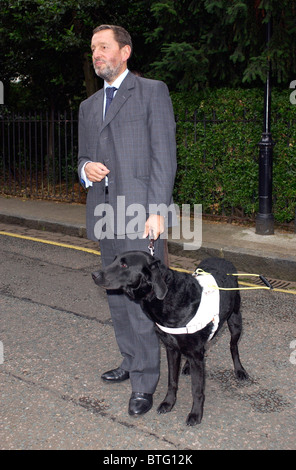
[[218, 132]]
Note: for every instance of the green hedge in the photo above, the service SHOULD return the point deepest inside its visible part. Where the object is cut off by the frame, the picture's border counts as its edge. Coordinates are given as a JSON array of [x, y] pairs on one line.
[[218, 132]]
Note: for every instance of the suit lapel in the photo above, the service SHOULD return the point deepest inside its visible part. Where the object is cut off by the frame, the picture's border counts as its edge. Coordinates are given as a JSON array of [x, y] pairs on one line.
[[99, 108], [122, 95]]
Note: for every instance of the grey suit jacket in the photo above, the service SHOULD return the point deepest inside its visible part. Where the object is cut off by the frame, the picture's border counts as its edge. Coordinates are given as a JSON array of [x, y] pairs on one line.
[[136, 141]]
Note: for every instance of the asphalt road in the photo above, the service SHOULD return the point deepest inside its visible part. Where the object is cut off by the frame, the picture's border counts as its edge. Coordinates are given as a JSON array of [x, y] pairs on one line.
[[56, 338]]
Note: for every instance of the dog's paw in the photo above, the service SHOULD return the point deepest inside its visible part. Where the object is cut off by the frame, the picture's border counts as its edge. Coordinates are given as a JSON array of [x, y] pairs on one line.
[[241, 374], [164, 407], [193, 419]]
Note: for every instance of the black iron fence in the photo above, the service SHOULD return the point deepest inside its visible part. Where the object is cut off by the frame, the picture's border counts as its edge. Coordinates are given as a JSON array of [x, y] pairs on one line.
[[38, 156]]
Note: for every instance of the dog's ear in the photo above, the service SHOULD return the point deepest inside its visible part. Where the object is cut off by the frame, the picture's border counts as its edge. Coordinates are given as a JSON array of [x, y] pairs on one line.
[[158, 284]]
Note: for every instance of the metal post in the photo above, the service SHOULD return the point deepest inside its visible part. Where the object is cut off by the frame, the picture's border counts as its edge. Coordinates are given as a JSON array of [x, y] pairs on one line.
[[265, 219]]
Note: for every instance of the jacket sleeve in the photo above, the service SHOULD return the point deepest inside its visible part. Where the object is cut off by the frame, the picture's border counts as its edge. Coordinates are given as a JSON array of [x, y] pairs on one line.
[[162, 128], [83, 156]]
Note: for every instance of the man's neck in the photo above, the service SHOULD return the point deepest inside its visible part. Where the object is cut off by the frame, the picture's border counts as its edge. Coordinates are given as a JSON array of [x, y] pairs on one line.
[[118, 80]]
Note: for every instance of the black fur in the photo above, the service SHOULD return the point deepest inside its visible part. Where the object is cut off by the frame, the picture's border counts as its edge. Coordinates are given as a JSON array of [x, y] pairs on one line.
[[171, 299]]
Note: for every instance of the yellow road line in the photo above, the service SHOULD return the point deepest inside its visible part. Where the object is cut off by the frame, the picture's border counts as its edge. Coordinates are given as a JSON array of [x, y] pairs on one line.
[[49, 242], [97, 252]]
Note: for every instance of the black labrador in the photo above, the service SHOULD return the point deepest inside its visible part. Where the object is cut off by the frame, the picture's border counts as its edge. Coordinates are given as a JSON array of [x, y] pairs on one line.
[[171, 299]]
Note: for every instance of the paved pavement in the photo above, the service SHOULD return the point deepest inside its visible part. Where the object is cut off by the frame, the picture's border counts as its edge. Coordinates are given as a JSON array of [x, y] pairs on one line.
[[272, 256]]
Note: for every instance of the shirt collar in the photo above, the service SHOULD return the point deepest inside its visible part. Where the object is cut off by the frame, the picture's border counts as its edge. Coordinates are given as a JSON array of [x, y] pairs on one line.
[[118, 80]]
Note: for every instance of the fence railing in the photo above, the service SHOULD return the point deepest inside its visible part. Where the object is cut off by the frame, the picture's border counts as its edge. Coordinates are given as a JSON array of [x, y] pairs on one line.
[[39, 156]]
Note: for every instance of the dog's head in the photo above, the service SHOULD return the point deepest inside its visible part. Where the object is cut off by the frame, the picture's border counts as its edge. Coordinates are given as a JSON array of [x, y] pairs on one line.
[[136, 273]]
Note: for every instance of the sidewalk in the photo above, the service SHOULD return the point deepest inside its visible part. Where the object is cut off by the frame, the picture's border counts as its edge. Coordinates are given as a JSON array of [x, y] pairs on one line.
[[273, 256]]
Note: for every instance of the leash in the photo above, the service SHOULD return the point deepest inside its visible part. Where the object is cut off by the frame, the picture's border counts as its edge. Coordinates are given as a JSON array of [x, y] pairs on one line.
[[151, 244], [262, 278], [268, 286], [199, 271]]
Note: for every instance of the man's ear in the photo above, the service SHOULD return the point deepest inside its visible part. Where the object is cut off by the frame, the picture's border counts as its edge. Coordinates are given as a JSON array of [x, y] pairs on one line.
[[158, 284], [126, 52]]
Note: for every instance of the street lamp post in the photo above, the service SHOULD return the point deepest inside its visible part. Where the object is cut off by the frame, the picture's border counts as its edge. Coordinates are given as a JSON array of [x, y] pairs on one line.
[[265, 219]]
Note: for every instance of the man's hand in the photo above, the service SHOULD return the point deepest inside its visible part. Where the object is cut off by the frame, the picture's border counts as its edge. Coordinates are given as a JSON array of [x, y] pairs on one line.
[[154, 226], [96, 171]]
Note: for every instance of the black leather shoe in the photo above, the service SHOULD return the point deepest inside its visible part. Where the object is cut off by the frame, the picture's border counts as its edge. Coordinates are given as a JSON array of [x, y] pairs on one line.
[[115, 375], [140, 403]]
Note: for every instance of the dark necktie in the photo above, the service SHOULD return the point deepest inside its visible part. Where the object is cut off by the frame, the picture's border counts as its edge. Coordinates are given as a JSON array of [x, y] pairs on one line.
[[109, 97]]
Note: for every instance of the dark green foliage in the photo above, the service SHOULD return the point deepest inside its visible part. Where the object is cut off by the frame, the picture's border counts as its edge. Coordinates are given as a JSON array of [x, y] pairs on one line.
[[217, 136], [190, 44], [202, 43]]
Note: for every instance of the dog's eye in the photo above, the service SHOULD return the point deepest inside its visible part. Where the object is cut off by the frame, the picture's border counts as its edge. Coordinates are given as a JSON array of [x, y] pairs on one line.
[[123, 265]]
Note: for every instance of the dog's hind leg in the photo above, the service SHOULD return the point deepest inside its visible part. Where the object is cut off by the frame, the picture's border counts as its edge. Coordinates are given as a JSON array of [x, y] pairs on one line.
[[235, 327], [197, 384], [174, 360]]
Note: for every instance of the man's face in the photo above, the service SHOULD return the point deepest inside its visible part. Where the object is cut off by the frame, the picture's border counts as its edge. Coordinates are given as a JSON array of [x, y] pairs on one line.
[[109, 60]]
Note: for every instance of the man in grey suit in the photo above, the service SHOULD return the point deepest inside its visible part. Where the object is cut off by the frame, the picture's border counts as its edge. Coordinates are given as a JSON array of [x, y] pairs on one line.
[[127, 159]]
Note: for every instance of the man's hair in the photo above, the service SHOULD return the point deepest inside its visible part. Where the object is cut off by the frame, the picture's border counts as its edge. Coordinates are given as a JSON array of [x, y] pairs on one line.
[[120, 34]]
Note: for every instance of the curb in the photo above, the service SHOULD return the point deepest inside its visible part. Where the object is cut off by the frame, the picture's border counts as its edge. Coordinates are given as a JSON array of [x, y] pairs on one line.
[[45, 225], [244, 260]]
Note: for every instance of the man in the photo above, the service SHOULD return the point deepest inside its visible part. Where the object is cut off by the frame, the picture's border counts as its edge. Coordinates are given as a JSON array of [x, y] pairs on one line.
[[127, 159]]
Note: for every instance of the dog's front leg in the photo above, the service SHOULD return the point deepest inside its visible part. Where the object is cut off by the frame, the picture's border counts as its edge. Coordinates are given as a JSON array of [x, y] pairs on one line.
[[197, 385], [174, 360]]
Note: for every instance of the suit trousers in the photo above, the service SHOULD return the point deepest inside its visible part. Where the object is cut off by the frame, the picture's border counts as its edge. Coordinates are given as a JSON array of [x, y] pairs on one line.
[[134, 332]]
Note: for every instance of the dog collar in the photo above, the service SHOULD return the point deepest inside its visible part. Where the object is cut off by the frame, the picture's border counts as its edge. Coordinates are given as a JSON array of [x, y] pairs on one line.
[[208, 310]]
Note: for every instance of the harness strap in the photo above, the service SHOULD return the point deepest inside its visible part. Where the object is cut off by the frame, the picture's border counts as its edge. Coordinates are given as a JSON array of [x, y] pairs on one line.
[[208, 310]]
